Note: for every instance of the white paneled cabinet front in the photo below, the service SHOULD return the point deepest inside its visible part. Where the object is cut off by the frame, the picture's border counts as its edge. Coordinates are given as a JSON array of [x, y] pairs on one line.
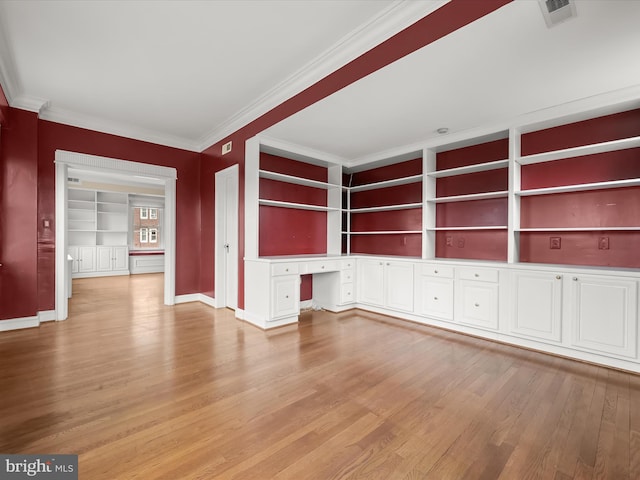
[[285, 302], [536, 299], [86, 257], [604, 315], [111, 259], [385, 283], [477, 297]]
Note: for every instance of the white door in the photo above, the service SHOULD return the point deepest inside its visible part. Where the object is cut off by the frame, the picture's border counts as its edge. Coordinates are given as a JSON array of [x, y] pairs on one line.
[[87, 259], [226, 245], [120, 258]]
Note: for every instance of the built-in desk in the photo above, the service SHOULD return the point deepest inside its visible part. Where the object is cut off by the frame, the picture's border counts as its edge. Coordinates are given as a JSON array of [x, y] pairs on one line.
[[272, 287]]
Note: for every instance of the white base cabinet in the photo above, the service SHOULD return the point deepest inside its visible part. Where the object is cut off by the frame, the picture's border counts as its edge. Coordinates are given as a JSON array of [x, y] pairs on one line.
[[434, 291], [97, 261], [536, 299], [112, 258], [578, 312], [385, 283], [604, 315]]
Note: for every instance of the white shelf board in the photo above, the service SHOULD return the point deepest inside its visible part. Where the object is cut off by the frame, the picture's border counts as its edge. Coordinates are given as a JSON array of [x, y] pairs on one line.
[[385, 232], [112, 231], [632, 182], [386, 183], [603, 147], [385, 208], [281, 177], [297, 206], [469, 197], [579, 229], [486, 227], [480, 167]]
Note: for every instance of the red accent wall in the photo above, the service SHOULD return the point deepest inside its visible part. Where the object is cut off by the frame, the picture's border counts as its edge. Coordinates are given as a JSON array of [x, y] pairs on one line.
[[54, 136], [474, 154], [472, 244], [18, 219], [405, 244], [447, 19], [596, 130], [4, 108]]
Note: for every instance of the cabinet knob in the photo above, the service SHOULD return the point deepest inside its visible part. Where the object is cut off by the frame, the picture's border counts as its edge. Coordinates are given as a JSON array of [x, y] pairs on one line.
[[435, 298], [322, 266], [286, 296], [575, 279], [381, 263], [388, 263], [477, 275], [558, 277], [286, 269], [477, 304], [435, 271]]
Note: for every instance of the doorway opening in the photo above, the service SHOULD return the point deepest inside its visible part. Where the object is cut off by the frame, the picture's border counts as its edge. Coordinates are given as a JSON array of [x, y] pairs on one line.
[[82, 162]]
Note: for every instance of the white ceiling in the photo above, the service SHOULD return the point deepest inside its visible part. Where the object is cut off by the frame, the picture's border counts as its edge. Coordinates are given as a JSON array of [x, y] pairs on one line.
[[183, 73], [502, 66], [188, 73]]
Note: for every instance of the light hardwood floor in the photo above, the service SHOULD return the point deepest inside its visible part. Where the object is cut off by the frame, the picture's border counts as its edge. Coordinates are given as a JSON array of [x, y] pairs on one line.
[[144, 391]]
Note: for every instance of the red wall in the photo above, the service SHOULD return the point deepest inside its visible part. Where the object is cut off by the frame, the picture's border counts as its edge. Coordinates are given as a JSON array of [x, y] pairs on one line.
[[53, 136], [18, 205]]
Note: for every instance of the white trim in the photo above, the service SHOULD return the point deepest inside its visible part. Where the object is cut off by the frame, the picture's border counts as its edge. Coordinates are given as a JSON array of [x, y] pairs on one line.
[[187, 298], [47, 316], [306, 304], [395, 18], [119, 128], [207, 300], [29, 103], [65, 159], [19, 323]]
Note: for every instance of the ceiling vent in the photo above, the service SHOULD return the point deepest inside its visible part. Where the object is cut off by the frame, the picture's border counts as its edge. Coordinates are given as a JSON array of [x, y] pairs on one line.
[[557, 11]]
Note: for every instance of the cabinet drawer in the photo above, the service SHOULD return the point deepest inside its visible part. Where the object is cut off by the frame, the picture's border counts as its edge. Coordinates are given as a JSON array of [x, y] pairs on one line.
[[347, 276], [347, 294], [347, 264], [320, 267], [284, 269], [441, 271], [479, 274]]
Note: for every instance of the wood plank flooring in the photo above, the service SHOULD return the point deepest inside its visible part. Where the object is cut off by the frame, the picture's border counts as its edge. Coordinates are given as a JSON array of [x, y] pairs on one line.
[[144, 391]]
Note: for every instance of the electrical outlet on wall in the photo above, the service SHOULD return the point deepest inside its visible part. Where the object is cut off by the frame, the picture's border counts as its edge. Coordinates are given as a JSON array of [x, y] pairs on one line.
[[226, 148], [554, 243], [448, 241], [461, 243], [603, 243]]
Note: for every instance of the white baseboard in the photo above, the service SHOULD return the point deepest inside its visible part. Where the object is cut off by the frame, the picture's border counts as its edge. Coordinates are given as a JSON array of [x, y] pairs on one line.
[[207, 300], [47, 316], [306, 304], [190, 297], [19, 323], [239, 314]]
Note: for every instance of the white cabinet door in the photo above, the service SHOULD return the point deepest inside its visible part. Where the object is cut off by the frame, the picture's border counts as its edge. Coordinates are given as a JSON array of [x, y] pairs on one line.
[[399, 285], [73, 251], [604, 314], [285, 299], [371, 282], [120, 258], [103, 255], [86, 259], [477, 304], [536, 305], [435, 297]]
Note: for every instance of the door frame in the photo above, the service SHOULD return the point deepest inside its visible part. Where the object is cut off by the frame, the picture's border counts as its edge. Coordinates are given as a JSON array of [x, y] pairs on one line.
[[81, 161], [219, 253]]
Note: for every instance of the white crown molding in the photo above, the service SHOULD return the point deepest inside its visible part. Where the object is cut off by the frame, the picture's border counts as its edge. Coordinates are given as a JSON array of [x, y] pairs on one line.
[[298, 152], [75, 119], [395, 18], [112, 165], [29, 103]]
